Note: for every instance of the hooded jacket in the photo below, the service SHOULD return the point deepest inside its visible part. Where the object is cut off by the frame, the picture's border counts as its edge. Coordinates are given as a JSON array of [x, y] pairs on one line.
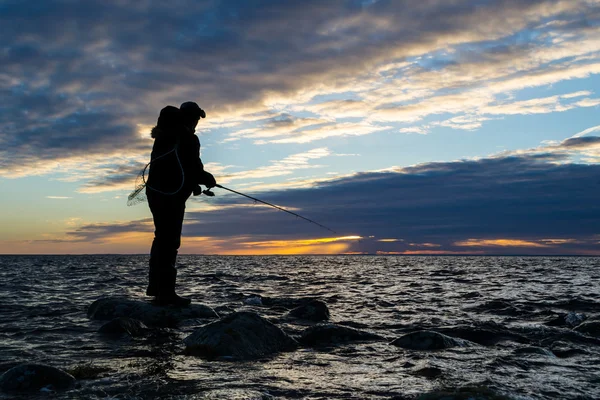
[[175, 165]]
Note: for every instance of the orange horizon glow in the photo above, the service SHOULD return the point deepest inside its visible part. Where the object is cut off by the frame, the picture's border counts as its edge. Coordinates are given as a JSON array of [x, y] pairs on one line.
[[140, 243], [498, 243]]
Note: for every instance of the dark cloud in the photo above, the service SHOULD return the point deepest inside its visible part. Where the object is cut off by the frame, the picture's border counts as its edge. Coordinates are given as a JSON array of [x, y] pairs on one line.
[[95, 233], [580, 142], [511, 198], [527, 198], [77, 77]]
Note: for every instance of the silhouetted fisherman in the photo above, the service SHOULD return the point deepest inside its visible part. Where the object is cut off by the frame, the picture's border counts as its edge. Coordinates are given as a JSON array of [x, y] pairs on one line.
[[175, 172]]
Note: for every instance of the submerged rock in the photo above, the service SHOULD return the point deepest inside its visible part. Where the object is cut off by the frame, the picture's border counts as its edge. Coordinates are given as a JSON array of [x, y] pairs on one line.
[[120, 325], [499, 307], [315, 310], [535, 350], [571, 320], [28, 377], [238, 336], [428, 340], [332, 334], [150, 314], [285, 302], [427, 371], [486, 334], [235, 394], [591, 328], [253, 301], [465, 393], [564, 349]]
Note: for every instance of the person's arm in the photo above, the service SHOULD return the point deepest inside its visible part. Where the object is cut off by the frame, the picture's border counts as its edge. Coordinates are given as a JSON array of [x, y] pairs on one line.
[[198, 176]]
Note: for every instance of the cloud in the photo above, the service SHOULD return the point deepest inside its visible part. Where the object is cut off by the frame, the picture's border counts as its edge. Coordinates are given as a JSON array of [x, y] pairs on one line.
[[78, 79], [282, 167], [526, 203]]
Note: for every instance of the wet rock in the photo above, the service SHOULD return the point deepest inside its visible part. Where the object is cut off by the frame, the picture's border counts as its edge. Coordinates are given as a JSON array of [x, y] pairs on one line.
[[591, 328], [235, 394], [315, 310], [428, 372], [332, 334], [150, 314], [465, 393], [428, 340], [534, 350], [224, 310], [286, 302], [570, 320], [120, 325], [499, 307], [565, 350], [486, 334], [253, 301], [238, 336], [29, 377]]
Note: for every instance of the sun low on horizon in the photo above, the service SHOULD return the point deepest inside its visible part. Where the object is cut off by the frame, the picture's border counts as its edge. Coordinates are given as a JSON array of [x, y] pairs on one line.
[[399, 128]]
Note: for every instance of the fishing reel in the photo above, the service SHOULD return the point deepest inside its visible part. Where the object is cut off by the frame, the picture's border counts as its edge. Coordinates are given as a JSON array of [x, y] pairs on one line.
[[198, 191]]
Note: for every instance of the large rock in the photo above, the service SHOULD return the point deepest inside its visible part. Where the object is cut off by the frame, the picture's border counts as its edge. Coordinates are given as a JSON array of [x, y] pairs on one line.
[[120, 325], [238, 336], [428, 340], [150, 314], [485, 334], [33, 377], [315, 310], [332, 334]]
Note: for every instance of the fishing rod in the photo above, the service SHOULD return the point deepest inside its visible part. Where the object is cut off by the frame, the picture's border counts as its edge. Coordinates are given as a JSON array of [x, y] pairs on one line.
[[209, 193]]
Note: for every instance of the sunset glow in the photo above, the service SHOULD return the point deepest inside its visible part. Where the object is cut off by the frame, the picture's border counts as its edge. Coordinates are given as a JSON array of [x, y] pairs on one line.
[[408, 127]]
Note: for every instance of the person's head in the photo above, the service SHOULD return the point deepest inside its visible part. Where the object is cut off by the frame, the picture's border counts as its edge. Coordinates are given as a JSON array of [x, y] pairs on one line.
[[191, 113], [170, 119]]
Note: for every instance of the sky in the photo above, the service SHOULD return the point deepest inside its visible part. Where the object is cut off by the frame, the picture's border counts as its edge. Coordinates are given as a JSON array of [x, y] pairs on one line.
[[429, 127]]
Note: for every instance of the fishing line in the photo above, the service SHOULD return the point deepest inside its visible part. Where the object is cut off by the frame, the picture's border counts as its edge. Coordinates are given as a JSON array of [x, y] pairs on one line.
[[272, 205]]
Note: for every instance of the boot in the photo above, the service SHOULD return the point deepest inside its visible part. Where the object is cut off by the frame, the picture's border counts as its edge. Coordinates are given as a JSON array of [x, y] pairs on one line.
[[153, 282], [166, 293]]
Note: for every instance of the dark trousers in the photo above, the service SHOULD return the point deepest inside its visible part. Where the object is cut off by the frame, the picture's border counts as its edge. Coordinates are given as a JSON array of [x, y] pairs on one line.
[[167, 212]]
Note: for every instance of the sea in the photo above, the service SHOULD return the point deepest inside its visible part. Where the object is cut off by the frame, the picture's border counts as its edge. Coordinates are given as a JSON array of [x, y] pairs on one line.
[[521, 315]]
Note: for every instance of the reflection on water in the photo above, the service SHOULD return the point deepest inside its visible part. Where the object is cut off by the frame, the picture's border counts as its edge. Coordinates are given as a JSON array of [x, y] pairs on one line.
[[503, 304]]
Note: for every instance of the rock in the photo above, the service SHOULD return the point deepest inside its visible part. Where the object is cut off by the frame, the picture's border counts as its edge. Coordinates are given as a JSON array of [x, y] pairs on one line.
[[464, 393], [534, 350], [235, 394], [498, 307], [150, 314], [30, 377], [285, 302], [332, 334], [570, 320], [315, 310], [224, 310], [428, 340], [591, 328], [565, 350], [120, 325], [238, 336], [485, 334], [253, 301], [428, 372]]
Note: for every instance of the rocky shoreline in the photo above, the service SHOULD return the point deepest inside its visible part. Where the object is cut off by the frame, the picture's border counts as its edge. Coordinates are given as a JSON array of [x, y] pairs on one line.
[[235, 336]]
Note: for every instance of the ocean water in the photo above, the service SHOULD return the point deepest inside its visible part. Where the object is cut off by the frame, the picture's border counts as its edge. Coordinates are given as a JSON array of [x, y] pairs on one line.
[[502, 303]]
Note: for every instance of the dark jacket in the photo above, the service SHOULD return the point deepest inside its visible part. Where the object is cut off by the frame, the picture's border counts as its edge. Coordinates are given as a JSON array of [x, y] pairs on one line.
[[175, 162]]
